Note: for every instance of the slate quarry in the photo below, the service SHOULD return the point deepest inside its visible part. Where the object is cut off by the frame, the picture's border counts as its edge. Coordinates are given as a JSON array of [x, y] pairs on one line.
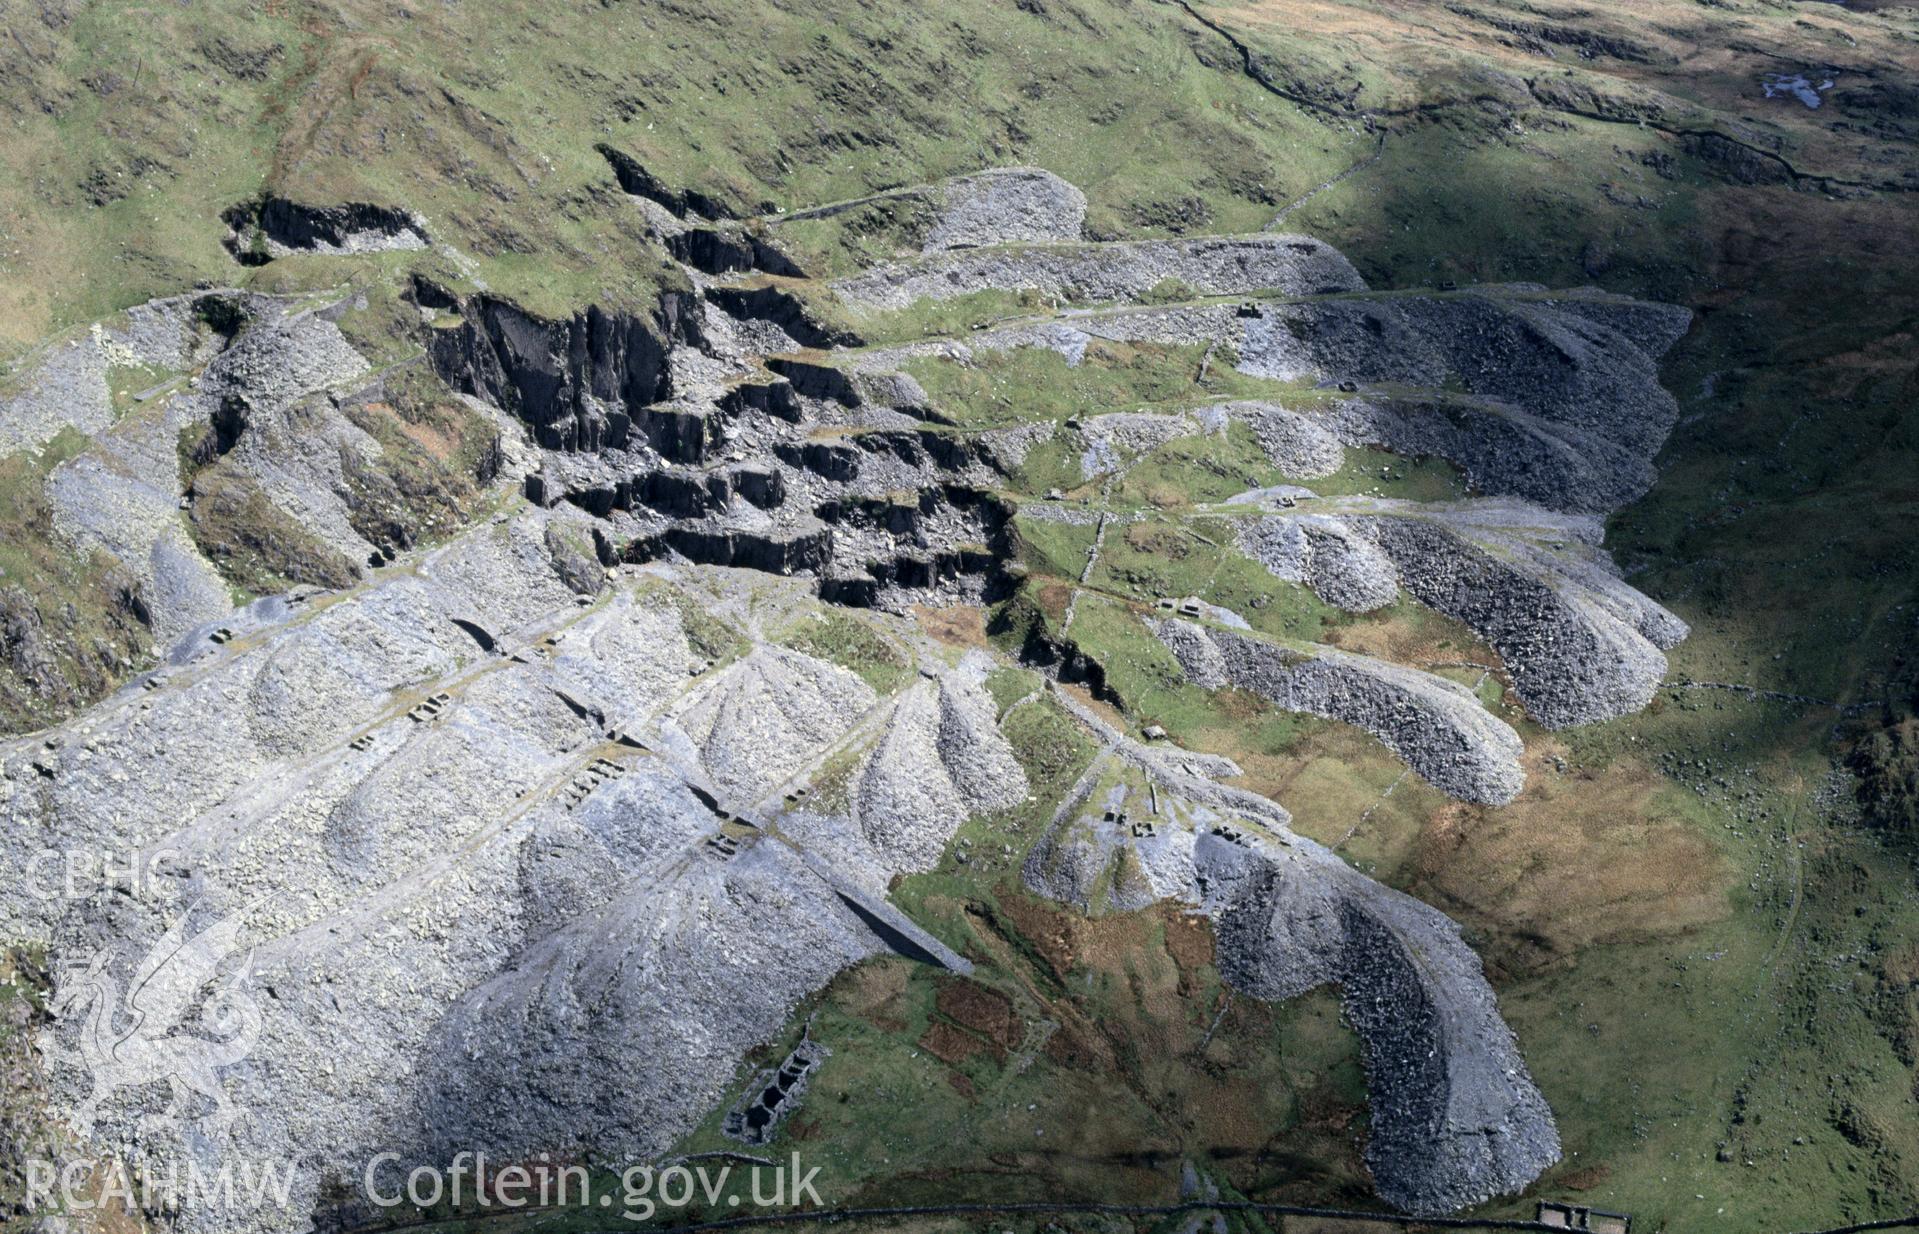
[[526, 809]]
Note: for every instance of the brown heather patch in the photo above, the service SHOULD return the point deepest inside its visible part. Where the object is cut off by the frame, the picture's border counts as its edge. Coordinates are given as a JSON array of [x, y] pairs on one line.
[[951, 1045], [1053, 595], [959, 626], [983, 1010], [1189, 938], [1052, 934], [1578, 859], [1416, 637]]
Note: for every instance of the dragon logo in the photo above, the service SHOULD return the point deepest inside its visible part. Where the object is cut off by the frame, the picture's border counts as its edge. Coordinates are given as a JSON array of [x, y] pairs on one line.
[[142, 1037]]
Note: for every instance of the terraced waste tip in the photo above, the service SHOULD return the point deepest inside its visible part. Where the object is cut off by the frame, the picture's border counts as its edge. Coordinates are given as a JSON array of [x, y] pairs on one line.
[[510, 815]]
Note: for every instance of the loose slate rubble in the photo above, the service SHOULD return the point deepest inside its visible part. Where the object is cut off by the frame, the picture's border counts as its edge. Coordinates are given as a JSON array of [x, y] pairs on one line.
[[1006, 205], [1501, 449], [1552, 397], [1437, 726], [597, 853], [65, 386], [1120, 270], [1341, 566], [938, 764], [501, 908], [1581, 645], [1298, 445], [1456, 1118], [763, 718]]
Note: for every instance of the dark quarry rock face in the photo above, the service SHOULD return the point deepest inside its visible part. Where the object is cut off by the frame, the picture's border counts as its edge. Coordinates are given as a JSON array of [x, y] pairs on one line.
[[779, 308], [725, 432], [299, 226], [574, 381], [715, 251], [773, 554], [817, 380], [637, 180], [775, 398], [829, 459], [262, 229]]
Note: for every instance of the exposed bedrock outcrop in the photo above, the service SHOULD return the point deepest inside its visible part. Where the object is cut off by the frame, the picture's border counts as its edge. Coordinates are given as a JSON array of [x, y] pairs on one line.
[[1121, 270], [274, 227], [776, 398], [782, 310], [1435, 725], [680, 434], [815, 380], [1581, 644], [939, 453], [751, 473], [945, 540], [730, 250], [830, 460], [961, 574], [575, 381], [785, 550], [895, 458], [634, 178], [684, 493], [502, 824], [56, 670], [697, 430]]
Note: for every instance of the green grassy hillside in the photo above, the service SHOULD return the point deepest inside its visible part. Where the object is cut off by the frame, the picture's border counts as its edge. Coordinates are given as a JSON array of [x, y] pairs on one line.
[[1710, 957]]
